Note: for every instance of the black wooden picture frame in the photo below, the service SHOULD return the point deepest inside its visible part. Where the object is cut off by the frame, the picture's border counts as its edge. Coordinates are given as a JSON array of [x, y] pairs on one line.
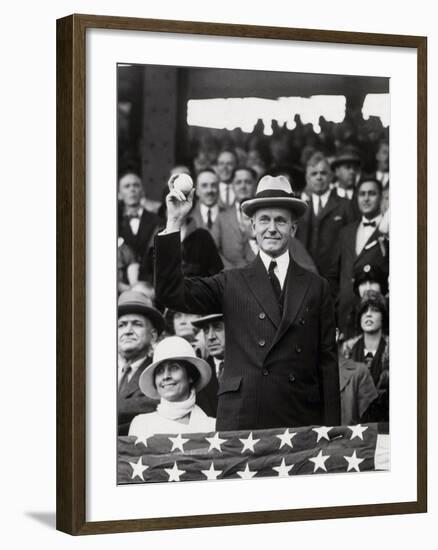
[[71, 273]]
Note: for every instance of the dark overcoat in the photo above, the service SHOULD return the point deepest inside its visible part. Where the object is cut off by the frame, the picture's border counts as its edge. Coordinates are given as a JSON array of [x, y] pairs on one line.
[[320, 233], [280, 370], [132, 401], [347, 262]]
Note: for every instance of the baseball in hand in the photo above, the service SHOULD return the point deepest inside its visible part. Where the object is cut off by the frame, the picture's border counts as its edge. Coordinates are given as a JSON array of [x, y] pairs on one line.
[[183, 183]]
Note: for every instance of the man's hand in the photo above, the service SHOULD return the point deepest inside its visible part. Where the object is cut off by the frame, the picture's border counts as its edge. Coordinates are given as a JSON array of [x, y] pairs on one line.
[[178, 206]]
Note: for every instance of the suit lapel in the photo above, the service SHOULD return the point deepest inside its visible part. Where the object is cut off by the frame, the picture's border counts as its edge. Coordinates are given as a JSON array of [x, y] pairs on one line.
[[258, 281], [133, 383], [297, 283], [332, 203], [351, 240], [373, 237]]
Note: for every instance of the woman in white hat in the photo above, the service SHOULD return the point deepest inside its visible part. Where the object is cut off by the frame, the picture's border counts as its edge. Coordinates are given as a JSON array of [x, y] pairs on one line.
[[174, 377]]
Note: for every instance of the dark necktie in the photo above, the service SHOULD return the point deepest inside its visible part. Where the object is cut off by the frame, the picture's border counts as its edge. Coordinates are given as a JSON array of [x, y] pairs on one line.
[[274, 279], [209, 221], [124, 381], [369, 224], [220, 370]]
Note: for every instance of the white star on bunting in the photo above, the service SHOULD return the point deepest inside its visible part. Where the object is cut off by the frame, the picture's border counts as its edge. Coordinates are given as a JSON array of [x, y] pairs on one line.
[[174, 473], [322, 432], [247, 473], [215, 442], [138, 469], [286, 438], [143, 439], [248, 443], [353, 462], [357, 431], [178, 443], [319, 462], [283, 470], [211, 473]]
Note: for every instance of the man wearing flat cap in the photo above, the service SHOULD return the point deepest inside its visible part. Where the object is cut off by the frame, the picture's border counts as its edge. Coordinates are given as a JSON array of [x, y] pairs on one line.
[[138, 327], [280, 365]]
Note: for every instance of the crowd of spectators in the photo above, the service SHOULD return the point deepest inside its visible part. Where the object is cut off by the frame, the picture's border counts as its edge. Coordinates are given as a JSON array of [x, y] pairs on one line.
[[343, 174]]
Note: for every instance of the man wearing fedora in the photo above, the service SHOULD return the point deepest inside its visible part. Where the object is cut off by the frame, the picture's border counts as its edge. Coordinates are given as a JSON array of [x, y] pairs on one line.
[[280, 358], [138, 327]]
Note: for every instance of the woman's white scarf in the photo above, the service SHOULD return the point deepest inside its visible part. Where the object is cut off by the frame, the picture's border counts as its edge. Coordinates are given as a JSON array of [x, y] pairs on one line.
[[173, 410]]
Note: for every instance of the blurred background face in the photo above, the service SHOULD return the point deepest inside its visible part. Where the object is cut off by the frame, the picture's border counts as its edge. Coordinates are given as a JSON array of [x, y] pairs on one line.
[[346, 174], [368, 285], [172, 381], [243, 185], [182, 325], [226, 163], [371, 320], [135, 334], [273, 228], [382, 157], [207, 188], [130, 190], [368, 199], [214, 335], [318, 177]]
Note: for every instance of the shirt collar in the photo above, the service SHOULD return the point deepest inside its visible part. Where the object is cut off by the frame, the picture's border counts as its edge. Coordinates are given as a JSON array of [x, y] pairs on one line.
[[324, 196], [122, 362], [282, 261], [204, 209]]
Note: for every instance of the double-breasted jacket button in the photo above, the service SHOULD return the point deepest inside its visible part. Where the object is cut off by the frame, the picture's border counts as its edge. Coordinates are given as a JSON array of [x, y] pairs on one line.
[[262, 343], [262, 315], [265, 372], [302, 321], [291, 378], [298, 349]]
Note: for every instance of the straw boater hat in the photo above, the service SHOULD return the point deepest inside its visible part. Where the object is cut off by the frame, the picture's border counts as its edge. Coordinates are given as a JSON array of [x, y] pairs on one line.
[[274, 192], [202, 321], [173, 348], [131, 301]]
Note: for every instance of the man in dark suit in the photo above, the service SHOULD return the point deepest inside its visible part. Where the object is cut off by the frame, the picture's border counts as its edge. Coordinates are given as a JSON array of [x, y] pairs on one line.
[[280, 358], [137, 226], [327, 214], [360, 244], [206, 210], [214, 335], [139, 325]]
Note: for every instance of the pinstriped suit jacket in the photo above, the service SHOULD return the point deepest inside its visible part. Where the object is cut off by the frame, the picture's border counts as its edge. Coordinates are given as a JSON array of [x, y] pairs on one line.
[[279, 370]]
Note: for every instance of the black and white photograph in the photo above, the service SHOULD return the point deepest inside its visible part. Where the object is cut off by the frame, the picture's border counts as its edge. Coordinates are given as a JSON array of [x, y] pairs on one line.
[[252, 273]]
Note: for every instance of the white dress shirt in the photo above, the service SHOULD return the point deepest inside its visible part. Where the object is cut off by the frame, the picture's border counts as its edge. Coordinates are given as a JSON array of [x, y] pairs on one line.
[[204, 212], [282, 265], [365, 232], [344, 193], [315, 199], [383, 177], [135, 222], [224, 190]]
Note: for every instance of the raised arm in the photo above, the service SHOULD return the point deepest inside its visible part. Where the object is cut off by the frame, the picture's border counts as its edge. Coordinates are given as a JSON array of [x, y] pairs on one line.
[[201, 295]]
